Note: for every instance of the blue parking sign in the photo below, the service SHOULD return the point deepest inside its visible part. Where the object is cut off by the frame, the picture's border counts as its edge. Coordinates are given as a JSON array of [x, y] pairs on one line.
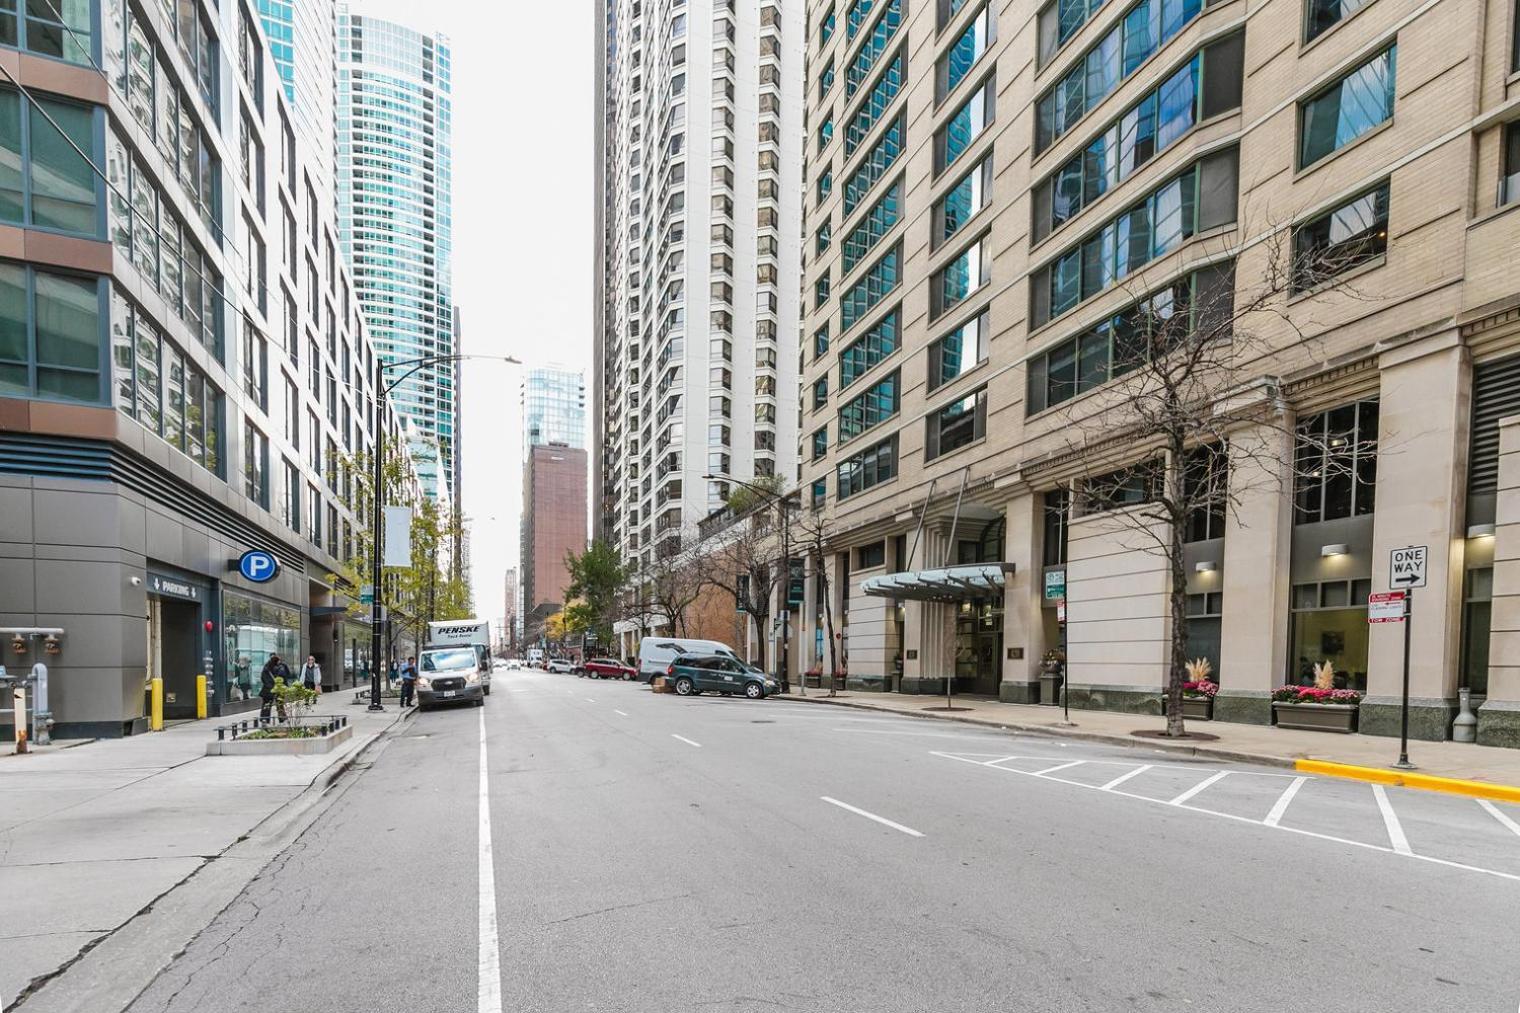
[[258, 566]]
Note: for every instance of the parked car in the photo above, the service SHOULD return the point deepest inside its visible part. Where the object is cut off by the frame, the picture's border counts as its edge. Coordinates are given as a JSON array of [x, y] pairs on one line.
[[609, 668], [451, 675], [560, 665], [718, 673], [656, 653]]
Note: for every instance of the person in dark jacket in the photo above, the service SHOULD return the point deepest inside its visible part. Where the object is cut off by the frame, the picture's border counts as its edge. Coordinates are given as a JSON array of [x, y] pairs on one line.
[[274, 669], [408, 682]]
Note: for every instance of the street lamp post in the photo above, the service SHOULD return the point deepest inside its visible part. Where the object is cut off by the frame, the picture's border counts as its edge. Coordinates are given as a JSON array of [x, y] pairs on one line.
[[781, 502], [377, 488]]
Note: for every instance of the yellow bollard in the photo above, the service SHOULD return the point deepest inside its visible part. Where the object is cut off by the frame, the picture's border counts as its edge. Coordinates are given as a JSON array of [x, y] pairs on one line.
[[200, 696], [156, 713]]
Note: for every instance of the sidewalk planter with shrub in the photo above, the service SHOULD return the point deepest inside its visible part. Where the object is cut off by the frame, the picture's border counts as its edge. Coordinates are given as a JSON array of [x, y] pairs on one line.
[[1052, 674], [813, 678], [295, 736], [1316, 708], [1198, 699]]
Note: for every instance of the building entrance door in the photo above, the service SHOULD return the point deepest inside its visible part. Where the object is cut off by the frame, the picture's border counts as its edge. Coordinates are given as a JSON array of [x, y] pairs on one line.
[[173, 633]]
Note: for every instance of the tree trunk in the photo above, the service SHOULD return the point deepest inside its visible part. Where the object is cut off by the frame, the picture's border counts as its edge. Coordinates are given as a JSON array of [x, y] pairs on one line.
[[828, 618], [1177, 667]]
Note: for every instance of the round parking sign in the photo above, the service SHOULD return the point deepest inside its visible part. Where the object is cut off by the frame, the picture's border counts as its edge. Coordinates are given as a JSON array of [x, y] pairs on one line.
[[258, 566]]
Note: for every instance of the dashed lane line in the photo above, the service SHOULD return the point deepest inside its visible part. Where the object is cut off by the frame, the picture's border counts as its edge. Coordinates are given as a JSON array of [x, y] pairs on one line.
[[616, 711], [871, 816], [686, 740]]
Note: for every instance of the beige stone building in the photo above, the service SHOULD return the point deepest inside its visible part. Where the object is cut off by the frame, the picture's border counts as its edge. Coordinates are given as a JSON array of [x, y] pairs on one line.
[[999, 196]]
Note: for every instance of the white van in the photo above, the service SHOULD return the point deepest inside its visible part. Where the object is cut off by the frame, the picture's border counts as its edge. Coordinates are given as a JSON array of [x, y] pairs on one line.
[[656, 653]]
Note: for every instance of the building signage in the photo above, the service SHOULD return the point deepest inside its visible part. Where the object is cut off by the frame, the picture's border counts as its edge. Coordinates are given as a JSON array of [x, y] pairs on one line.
[[1406, 566], [258, 566], [1055, 584], [174, 587], [1386, 607]]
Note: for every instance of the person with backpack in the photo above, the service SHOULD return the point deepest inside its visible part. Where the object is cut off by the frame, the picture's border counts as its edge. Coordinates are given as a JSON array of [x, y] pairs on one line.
[[408, 681], [311, 674], [274, 669]]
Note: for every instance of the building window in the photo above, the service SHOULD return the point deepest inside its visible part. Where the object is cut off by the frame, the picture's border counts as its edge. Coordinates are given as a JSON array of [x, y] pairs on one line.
[[945, 11], [863, 470], [960, 351], [1117, 344], [820, 443], [855, 16], [964, 53], [821, 292], [873, 167], [1336, 464], [823, 237], [1323, 15], [1205, 86], [1353, 234], [826, 79], [820, 392], [875, 345], [1206, 490], [875, 104], [868, 557], [820, 341], [878, 221], [825, 184], [1146, 27], [826, 27], [255, 365], [1329, 622], [1059, 21], [1057, 511], [958, 280], [1509, 186], [819, 492], [868, 409], [1347, 109], [52, 335], [825, 132], [958, 424], [962, 202], [161, 389], [1118, 489], [255, 464], [966, 124], [1202, 197], [870, 51], [880, 279], [59, 29], [290, 497], [44, 182]]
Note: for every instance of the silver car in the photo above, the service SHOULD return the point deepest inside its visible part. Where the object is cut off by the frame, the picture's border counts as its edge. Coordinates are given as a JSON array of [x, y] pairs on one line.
[[450, 675]]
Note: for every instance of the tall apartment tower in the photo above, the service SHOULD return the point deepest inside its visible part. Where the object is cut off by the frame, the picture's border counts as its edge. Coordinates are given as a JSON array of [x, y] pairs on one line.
[[1022, 218], [699, 145], [554, 407], [303, 45], [554, 486], [394, 183]]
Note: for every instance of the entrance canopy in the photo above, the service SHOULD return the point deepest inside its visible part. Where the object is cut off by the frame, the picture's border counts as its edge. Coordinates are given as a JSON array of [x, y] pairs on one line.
[[950, 583]]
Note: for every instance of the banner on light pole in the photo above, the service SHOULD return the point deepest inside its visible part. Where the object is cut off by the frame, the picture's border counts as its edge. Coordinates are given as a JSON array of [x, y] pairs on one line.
[[398, 536]]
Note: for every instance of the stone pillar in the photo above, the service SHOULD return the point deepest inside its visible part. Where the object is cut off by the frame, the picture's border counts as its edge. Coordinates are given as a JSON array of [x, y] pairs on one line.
[[871, 619], [1257, 561], [926, 626], [1023, 624], [1424, 411], [1499, 717]]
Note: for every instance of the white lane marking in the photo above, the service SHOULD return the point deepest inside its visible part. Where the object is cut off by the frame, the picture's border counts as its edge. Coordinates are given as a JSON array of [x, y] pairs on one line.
[[489, 991], [1125, 777], [1494, 811], [1391, 821], [686, 740], [871, 816], [589, 700], [1200, 786], [616, 711], [1447, 863], [1280, 807], [1060, 766]]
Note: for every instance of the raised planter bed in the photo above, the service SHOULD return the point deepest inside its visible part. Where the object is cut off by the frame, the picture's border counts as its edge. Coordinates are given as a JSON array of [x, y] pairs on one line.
[[1198, 708], [308, 736], [1316, 717]]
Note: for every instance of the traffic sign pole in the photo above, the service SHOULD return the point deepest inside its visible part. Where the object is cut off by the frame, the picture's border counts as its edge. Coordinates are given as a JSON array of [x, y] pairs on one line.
[[1404, 706]]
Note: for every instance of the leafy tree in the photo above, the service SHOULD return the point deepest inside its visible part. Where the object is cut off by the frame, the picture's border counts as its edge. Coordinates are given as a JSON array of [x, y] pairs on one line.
[[594, 599]]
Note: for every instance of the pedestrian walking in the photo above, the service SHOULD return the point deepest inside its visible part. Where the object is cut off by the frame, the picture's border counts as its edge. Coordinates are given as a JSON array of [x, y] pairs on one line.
[[311, 673], [274, 669], [395, 674], [408, 681]]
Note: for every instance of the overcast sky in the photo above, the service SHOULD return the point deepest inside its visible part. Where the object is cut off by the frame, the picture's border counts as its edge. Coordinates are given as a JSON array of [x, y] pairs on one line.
[[523, 177]]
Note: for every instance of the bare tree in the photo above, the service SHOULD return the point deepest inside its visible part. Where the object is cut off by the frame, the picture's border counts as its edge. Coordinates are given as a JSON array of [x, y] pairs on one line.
[[814, 540], [744, 560], [669, 586], [1155, 447]]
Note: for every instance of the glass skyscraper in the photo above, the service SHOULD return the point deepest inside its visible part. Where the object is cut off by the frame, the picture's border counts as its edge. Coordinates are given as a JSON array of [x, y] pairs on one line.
[[554, 407], [394, 172], [301, 46]]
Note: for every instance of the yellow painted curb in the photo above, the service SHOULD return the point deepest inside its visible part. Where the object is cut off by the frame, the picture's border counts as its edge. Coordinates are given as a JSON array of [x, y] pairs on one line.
[[1408, 779]]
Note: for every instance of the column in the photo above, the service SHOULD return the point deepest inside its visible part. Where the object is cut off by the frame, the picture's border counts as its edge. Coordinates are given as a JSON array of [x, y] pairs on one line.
[[1499, 717], [1023, 624], [1424, 409]]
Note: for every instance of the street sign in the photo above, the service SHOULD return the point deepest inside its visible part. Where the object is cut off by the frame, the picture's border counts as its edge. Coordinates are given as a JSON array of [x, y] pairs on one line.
[[367, 594], [1406, 566], [258, 566], [1386, 607], [1055, 584], [1061, 611]]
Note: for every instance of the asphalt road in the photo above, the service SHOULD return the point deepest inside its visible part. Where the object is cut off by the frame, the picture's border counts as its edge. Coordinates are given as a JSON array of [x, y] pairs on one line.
[[653, 853]]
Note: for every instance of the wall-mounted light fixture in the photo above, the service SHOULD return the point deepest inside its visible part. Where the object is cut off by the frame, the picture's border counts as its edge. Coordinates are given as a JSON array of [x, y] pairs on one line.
[[1480, 531], [1206, 566], [1334, 549]]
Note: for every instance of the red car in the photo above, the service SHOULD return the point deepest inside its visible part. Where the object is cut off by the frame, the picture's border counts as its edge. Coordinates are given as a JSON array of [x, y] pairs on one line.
[[609, 668]]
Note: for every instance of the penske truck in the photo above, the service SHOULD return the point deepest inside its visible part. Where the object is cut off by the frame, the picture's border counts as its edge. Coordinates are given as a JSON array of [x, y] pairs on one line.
[[446, 673]]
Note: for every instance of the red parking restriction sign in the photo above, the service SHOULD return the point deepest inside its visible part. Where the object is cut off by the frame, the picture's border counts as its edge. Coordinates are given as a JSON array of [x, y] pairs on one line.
[[1386, 607]]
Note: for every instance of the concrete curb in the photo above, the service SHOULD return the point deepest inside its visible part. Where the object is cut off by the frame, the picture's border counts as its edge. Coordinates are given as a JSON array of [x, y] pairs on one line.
[[1182, 749], [1407, 779]]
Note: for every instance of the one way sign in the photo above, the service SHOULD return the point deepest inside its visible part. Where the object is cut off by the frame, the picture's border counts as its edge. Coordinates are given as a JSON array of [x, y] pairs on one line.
[[1406, 567]]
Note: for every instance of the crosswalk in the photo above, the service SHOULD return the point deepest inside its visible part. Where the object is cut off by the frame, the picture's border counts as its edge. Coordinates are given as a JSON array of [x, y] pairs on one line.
[[1463, 833]]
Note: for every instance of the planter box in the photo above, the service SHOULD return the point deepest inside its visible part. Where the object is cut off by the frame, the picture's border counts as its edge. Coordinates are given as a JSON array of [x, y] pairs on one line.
[[281, 747], [1198, 708], [812, 681], [1316, 717], [1050, 690]]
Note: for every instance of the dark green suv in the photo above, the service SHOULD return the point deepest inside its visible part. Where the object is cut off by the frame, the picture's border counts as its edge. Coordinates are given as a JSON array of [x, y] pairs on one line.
[[691, 674]]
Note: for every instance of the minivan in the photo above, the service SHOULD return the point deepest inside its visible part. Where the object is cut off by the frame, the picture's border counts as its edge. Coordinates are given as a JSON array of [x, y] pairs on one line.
[[656, 653]]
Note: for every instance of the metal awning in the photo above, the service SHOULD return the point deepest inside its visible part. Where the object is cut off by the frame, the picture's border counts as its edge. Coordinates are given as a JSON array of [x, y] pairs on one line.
[[950, 583]]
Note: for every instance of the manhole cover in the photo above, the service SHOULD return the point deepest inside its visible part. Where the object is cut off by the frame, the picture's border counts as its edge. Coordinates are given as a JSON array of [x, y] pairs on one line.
[[1158, 733]]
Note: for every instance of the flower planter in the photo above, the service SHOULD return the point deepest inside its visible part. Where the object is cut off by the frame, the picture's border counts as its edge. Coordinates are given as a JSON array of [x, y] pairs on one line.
[[1316, 717], [1198, 708], [812, 680], [307, 746], [838, 681], [1050, 689]]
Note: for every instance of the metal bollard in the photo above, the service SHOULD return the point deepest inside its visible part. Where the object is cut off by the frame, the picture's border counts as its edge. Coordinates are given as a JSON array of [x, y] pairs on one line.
[[156, 711], [200, 697], [18, 699]]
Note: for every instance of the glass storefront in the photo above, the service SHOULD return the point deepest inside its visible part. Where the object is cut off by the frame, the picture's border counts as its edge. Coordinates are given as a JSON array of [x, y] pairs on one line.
[[254, 629], [1204, 614], [978, 645], [1330, 624]]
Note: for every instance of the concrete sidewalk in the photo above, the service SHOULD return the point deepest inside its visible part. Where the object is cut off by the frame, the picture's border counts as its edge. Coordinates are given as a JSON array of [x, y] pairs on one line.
[[1252, 743], [92, 835]]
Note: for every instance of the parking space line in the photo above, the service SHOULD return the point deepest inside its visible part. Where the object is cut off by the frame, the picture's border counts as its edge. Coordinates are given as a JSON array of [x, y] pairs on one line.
[[1391, 821], [871, 816], [1060, 766], [1125, 777], [1494, 811], [686, 740], [616, 711], [1195, 789], [1280, 807]]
